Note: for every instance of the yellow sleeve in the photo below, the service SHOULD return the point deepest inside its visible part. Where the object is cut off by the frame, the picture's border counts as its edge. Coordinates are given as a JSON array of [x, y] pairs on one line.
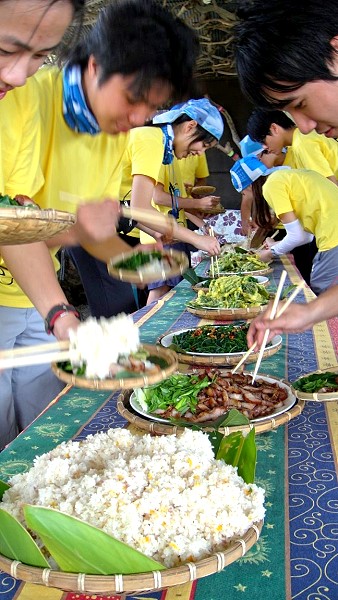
[[202, 169], [20, 143], [146, 151], [308, 154]]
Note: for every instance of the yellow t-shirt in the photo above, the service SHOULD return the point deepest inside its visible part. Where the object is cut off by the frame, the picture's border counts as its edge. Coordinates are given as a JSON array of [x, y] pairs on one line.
[[143, 156], [312, 198], [87, 166], [313, 151], [168, 174], [194, 167]]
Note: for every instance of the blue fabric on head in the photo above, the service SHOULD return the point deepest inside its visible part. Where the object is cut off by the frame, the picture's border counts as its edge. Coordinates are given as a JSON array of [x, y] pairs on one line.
[[201, 111], [75, 110], [168, 139], [249, 146], [246, 170]]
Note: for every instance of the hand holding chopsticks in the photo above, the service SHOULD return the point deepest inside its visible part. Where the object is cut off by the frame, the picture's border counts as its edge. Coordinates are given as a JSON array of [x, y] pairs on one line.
[[271, 238], [279, 314]]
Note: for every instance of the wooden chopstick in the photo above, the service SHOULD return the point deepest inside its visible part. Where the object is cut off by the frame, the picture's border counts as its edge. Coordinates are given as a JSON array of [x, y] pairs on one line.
[[143, 215], [38, 349], [271, 238], [33, 359], [292, 296], [214, 259], [272, 316]]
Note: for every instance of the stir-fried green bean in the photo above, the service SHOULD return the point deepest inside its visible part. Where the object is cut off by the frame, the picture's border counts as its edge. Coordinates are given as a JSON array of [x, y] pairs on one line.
[[240, 261], [213, 339]]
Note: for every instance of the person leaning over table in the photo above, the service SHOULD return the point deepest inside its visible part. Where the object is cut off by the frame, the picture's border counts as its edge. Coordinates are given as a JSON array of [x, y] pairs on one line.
[[276, 131], [146, 149], [297, 73], [153, 168], [122, 71], [307, 205]]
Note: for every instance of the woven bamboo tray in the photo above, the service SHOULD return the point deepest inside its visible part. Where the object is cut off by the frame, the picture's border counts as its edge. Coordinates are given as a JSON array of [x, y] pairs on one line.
[[197, 359], [180, 266], [138, 583], [215, 210], [227, 314], [252, 273], [125, 383], [203, 190], [24, 225], [318, 396], [158, 428]]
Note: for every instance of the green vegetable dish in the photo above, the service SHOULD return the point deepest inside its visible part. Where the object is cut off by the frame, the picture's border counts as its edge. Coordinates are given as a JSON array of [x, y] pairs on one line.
[[211, 339], [8, 201], [137, 260], [240, 261], [317, 382], [234, 291]]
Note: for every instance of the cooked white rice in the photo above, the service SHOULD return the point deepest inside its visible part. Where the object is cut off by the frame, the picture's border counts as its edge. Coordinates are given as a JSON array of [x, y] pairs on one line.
[[100, 342], [166, 496]]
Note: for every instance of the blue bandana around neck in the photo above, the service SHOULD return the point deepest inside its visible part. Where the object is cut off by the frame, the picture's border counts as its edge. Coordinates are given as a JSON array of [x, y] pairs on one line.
[[168, 134], [75, 110]]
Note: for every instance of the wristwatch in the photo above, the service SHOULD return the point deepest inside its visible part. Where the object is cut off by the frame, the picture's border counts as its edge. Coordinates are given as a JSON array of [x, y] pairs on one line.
[[273, 251], [58, 311]]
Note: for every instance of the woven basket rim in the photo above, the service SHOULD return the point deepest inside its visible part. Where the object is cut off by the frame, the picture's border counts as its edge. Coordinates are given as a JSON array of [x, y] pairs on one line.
[[230, 314], [124, 383], [181, 259], [158, 428], [22, 225], [317, 396], [203, 189], [141, 582], [215, 359], [241, 273]]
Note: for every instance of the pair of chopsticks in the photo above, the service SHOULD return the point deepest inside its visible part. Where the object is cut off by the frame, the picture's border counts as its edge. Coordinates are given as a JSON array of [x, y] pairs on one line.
[[214, 259], [271, 238], [34, 355], [272, 316], [148, 217]]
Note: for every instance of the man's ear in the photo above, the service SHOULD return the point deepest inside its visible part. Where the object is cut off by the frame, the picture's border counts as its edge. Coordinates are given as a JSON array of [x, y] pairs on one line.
[[274, 129], [92, 67]]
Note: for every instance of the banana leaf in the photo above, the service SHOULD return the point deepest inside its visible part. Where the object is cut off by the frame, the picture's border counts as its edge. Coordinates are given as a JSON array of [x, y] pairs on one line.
[[240, 451], [3, 487], [81, 548], [17, 544], [191, 276]]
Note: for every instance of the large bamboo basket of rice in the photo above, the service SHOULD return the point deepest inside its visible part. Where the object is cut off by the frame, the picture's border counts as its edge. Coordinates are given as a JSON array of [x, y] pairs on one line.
[[137, 583], [20, 225], [165, 358], [318, 396], [180, 264]]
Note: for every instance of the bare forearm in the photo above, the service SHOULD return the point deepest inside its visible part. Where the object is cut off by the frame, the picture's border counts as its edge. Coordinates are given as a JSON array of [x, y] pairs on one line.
[[32, 268]]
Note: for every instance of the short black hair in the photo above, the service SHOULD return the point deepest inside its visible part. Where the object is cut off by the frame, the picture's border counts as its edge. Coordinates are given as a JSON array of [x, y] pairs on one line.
[[141, 38], [260, 121], [282, 44]]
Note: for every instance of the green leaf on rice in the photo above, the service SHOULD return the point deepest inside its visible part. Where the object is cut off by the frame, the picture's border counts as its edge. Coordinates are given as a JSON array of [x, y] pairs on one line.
[[17, 544], [240, 451], [81, 548], [3, 487]]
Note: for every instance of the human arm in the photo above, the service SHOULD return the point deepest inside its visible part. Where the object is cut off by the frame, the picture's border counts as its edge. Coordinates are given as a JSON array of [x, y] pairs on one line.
[[164, 199], [296, 318], [95, 222], [32, 268], [295, 236]]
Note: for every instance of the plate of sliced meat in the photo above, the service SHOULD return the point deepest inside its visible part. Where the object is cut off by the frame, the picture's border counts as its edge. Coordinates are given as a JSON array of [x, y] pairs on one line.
[[204, 396]]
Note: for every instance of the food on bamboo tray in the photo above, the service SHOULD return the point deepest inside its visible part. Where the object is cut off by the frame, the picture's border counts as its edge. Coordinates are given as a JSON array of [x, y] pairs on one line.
[[234, 291], [207, 395], [148, 266], [240, 261], [18, 200], [317, 383], [146, 491], [101, 348]]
